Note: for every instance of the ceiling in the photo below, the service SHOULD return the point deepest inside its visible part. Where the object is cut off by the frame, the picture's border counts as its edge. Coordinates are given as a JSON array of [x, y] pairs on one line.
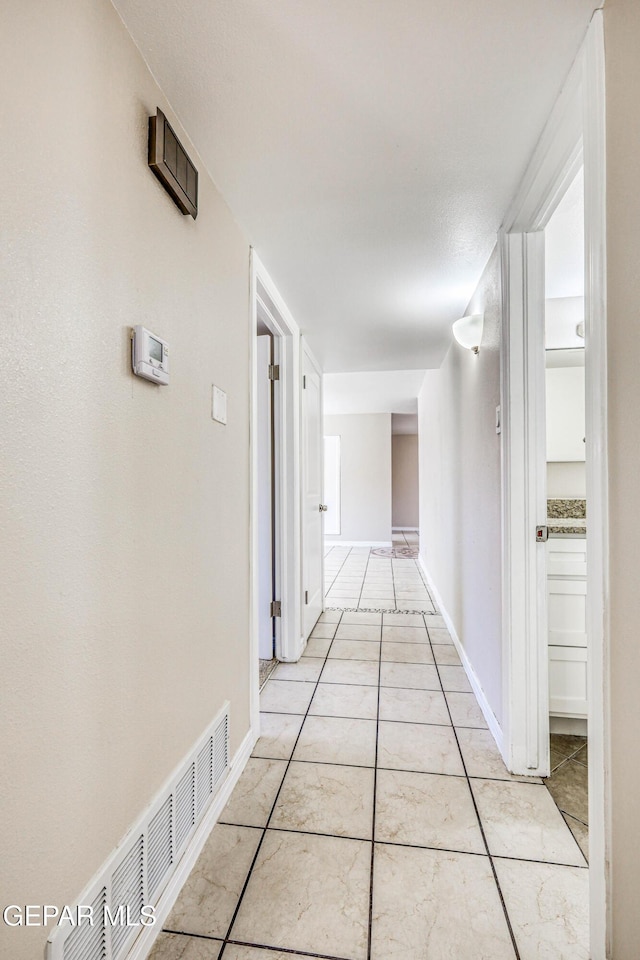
[[369, 148]]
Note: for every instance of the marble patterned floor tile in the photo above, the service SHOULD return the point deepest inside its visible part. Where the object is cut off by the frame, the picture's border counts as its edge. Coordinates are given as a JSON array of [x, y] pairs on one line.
[[302, 670], [402, 620], [413, 706], [329, 616], [345, 700], [355, 650], [366, 619], [398, 652], [426, 810], [286, 696], [308, 893], [237, 952], [278, 734], [521, 820], [375, 592], [358, 631], [580, 832], [454, 679], [316, 647], [338, 603], [482, 757], [435, 622], [418, 676], [351, 671], [566, 745], [253, 795], [421, 747], [569, 787], [446, 655], [436, 905], [401, 634], [465, 711], [326, 798], [548, 906], [208, 899], [173, 946], [376, 603], [337, 740], [438, 634], [324, 631]]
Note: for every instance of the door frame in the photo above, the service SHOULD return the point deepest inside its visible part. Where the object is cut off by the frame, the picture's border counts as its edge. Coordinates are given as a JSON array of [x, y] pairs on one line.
[[307, 353], [574, 135], [265, 300]]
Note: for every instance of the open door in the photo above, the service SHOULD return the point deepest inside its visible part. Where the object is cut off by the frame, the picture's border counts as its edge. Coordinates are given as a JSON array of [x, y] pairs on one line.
[[312, 502]]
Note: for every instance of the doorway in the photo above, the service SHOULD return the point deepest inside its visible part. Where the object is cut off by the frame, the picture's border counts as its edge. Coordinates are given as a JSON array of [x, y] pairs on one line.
[[267, 499]]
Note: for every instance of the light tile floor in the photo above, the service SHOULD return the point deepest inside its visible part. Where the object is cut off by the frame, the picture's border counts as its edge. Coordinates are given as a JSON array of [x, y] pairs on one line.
[[356, 578], [376, 819]]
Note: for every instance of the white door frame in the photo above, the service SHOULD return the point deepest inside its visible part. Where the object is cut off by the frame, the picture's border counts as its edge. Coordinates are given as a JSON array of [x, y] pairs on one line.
[[265, 300], [307, 353], [575, 134]]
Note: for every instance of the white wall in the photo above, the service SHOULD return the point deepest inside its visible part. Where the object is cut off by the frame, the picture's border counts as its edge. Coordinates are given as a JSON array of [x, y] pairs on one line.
[[404, 480], [124, 515], [365, 488], [460, 518], [566, 480]]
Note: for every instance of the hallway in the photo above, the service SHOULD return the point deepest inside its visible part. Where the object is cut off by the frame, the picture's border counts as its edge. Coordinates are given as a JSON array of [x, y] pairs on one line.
[[468, 862]]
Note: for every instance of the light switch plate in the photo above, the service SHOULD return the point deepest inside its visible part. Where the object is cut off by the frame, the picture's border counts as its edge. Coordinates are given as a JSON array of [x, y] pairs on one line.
[[219, 405]]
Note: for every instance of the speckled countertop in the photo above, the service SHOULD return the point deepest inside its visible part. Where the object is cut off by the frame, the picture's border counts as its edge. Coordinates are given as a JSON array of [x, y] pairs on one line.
[[567, 518]]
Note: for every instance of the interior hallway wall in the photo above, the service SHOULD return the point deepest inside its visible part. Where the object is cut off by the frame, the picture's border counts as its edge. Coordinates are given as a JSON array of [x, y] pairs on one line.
[[404, 480], [125, 510], [622, 40], [365, 475], [460, 514]]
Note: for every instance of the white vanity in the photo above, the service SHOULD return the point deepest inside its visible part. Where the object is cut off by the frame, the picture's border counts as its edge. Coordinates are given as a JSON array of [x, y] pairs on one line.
[[567, 607]]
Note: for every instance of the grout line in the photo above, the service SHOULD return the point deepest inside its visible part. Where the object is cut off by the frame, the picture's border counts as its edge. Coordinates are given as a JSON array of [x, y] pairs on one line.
[[484, 838], [373, 824], [266, 826]]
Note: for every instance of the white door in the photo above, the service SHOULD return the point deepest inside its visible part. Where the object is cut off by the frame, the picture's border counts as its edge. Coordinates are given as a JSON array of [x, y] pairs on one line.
[[312, 515], [265, 500]]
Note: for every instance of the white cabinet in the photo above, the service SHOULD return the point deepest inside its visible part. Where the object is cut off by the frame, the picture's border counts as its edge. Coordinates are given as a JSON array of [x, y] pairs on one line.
[[567, 610], [565, 413]]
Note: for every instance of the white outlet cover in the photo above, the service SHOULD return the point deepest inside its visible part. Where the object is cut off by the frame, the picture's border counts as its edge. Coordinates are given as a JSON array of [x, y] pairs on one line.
[[219, 406]]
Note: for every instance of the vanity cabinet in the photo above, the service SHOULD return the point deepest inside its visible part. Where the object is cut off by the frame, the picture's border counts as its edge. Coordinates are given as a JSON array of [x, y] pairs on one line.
[[567, 614]]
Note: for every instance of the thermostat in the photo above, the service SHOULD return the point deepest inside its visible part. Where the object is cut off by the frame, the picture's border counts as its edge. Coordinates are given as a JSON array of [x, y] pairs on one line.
[[149, 355]]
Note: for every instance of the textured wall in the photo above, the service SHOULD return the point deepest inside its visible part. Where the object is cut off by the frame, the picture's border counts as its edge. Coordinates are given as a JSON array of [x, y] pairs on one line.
[[404, 480], [460, 488], [124, 513], [365, 475], [622, 40]]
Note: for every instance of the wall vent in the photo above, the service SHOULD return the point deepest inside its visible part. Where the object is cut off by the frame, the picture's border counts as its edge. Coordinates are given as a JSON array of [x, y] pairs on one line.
[[140, 867]]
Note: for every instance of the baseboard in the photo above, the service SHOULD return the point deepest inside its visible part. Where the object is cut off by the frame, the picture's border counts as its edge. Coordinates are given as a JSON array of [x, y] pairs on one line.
[[573, 726], [409, 529], [357, 543], [489, 715], [141, 948]]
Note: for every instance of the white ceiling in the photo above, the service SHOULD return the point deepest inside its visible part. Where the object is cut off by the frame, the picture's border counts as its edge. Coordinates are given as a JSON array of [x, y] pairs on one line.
[[369, 149], [384, 391]]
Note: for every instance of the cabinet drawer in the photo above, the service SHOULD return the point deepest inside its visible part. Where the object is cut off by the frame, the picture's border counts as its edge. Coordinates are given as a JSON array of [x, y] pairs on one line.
[[568, 681], [567, 601]]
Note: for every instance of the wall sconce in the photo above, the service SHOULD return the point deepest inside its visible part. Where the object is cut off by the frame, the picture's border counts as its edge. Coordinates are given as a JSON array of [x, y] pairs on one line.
[[468, 331]]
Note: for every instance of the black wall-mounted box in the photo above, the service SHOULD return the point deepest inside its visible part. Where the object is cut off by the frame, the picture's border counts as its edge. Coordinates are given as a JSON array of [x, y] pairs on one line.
[[169, 161]]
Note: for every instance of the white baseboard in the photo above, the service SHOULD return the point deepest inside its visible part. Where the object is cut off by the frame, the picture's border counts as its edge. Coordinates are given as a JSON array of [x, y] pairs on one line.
[[408, 529], [141, 948], [489, 715], [357, 543]]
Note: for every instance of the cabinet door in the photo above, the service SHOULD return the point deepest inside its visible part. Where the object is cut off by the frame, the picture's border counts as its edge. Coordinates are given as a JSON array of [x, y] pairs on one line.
[[568, 681], [567, 612], [567, 558]]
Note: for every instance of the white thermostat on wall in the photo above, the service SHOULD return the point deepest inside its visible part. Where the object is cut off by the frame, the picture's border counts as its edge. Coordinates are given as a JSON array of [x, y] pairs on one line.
[[149, 355]]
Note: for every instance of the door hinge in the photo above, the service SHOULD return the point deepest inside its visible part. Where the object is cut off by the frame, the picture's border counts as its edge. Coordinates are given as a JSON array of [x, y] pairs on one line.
[[304, 383], [276, 608], [274, 371], [306, 596]]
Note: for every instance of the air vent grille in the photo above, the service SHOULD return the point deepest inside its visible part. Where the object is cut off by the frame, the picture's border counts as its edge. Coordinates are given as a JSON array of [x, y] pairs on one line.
[[127, 891], [160, 850], [204, 775], [221, 750], [185, 810], [89, 942]]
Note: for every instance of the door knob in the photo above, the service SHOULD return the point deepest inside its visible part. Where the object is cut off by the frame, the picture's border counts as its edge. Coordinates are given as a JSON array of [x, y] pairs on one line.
[[323, 508]]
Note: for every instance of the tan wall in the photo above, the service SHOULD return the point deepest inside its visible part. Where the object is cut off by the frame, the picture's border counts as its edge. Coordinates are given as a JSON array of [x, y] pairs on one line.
[[365, 475], [124, 514], [404, 480], [622, 42], [460, 517]]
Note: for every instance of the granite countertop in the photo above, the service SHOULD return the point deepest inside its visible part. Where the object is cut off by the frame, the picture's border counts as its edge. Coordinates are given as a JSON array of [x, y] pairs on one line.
[[567, 518]]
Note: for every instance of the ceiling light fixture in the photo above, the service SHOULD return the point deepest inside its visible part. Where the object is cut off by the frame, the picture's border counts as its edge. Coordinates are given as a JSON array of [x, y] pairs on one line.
[[468, 331]]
